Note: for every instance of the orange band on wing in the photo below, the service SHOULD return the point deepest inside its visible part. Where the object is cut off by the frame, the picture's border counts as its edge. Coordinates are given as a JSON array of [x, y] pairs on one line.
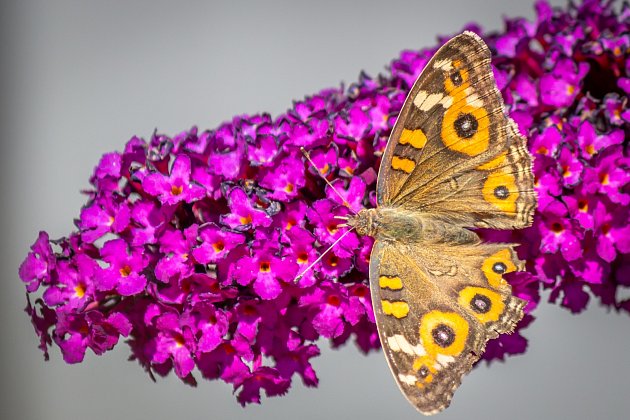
[[403, 164]]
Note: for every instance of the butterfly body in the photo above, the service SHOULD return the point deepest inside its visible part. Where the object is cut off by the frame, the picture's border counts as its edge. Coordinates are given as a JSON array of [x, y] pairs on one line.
[[406, 226], [454, 161]]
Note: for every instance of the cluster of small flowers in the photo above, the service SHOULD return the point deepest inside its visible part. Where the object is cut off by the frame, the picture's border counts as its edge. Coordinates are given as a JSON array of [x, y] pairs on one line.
[[190, 246]]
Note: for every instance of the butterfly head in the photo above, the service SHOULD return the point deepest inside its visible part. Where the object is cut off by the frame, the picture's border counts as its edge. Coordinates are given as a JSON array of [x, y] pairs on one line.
[[365, 222]]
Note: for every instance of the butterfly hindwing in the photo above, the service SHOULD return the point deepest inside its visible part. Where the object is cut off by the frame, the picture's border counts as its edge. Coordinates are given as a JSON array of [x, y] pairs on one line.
[[453, 151], [435, 312]]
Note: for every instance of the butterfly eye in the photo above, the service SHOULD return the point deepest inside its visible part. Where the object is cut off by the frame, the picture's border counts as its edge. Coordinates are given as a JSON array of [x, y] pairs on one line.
[[466, 126], [443, 335]]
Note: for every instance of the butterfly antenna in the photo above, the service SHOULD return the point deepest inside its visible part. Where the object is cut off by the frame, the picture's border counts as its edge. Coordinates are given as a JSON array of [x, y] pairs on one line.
[[308, 157], [299, 276]]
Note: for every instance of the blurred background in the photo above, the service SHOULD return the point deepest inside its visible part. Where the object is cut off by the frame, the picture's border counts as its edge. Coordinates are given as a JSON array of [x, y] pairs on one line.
[[79, 78]]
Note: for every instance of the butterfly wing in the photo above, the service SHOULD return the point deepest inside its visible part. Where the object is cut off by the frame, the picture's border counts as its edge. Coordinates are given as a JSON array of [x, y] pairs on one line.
[[453, 152], [436, 307]]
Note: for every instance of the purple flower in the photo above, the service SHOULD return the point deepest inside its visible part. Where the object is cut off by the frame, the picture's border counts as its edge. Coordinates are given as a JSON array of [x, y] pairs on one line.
[[148, 222], [175, 343], [581, 206], [559, 233], [327, 304], [74, 333], [243, 212], [591, 143], [263, 150], [39, 264], [262, 378], [108, 173], [216, 243], [103, 217], [570, 167], [610, 176], [547, 142], [285, 178], [125, 268], [352, 194], [208, 324], [298, 361], [560, 87], [176, 248], [612, 231], [591, 268], [196, 265], [267, 270], [322, 216], [302, 251], [176, 187], [76, 287]]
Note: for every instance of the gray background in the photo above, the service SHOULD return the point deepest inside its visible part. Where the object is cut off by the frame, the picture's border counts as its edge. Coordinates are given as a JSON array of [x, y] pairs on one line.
[[80, 78]]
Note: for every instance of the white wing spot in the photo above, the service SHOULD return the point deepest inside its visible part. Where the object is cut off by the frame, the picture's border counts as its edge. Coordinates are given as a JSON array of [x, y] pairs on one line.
[[444, 360], [425, 101], [443, 64], [407, 379], [472, 98], [398, 343]]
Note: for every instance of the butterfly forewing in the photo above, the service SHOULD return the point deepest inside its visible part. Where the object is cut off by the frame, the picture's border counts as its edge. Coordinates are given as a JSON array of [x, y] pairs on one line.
[[450, 128]]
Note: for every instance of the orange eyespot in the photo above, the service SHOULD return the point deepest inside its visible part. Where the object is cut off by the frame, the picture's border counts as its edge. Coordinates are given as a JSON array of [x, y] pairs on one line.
[[496, 265], [484, 304], [443, 333], [465, 129], [425, 367], [456, 80], [500, 190]]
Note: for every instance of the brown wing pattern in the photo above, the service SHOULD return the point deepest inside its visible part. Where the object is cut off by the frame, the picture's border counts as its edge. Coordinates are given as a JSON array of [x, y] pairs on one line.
[[451, 127], [459, 302], [497, 194]]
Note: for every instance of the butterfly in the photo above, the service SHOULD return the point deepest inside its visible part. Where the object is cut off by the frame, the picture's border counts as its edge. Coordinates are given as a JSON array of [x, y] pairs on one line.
[[454, 161]]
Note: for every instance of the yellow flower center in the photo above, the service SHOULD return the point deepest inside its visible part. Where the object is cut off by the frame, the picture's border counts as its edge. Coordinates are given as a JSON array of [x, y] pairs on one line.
[[125, 271], [79, 290], [265, 267]]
